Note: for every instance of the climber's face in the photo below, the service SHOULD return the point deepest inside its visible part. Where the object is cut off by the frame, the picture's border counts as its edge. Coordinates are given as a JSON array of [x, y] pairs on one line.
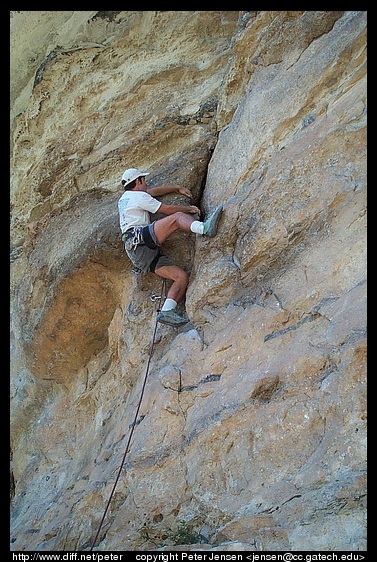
[[141, 184]]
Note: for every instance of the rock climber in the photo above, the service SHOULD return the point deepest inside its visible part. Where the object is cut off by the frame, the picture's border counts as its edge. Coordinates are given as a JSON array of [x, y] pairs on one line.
[[143, 238]]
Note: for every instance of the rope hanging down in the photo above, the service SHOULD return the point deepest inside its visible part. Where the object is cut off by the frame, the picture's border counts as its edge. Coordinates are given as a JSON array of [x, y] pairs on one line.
[[133, 423]]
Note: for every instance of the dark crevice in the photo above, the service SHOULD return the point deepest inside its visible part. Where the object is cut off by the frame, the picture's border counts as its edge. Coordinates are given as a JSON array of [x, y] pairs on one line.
[[209, 378]]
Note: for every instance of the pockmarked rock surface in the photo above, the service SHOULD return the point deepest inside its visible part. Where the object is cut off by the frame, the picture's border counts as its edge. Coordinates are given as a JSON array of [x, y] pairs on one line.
[[251, 432]]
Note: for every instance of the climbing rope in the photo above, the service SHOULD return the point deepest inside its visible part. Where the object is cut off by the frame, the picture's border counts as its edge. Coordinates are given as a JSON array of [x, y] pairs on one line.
[[154, 299]]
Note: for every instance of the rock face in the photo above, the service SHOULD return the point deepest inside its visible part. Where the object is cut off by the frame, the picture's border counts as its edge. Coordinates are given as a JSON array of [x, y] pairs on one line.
[[251, 433]]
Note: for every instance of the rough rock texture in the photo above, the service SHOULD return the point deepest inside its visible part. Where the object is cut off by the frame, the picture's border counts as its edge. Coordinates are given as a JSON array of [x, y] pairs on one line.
[[251, 433]]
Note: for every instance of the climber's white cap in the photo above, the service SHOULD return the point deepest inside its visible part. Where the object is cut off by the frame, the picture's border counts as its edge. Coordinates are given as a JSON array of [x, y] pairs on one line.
[[131, 174]]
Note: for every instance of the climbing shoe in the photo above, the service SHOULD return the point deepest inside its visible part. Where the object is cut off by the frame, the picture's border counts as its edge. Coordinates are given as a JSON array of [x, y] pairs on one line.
[[171, 317], [210, 225]]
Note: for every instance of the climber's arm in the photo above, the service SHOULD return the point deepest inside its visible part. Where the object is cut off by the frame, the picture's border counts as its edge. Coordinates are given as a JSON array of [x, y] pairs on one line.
[[165, 189], [170, 209]]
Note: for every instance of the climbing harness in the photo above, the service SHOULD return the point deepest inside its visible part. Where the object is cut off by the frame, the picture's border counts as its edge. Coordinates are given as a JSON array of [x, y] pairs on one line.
[[137, 237], [134, 234], [155, 299]]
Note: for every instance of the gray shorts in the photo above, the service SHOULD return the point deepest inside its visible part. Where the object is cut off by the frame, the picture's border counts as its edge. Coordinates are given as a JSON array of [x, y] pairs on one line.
[[146, 256]]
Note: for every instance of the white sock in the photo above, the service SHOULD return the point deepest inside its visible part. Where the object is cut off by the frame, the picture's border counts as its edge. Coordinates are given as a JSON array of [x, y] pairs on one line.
[[169, 304], [197, 227]]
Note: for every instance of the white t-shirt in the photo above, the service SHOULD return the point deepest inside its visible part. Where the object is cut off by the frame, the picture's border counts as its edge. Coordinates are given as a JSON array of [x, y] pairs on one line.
[[134, 208]]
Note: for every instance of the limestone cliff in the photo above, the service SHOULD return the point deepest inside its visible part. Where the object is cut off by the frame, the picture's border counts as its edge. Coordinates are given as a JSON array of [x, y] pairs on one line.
[[252, 429]]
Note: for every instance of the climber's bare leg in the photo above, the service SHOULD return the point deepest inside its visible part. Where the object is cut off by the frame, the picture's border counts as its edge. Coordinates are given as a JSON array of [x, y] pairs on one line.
[[164, 227], [180, 280]]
